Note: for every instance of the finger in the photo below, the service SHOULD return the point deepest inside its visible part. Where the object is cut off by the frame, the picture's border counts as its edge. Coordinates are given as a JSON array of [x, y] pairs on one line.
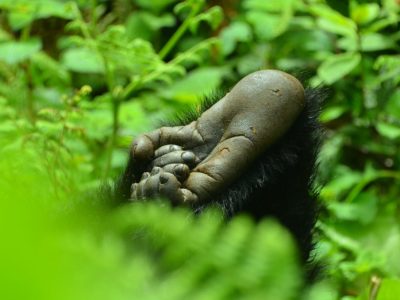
[[138, 189], [144, 146], [166, 149], [155, 170], [176, 157], [170, 186], [133, 191], [180, 171], [188, 197], [151, 186], [145, 175]]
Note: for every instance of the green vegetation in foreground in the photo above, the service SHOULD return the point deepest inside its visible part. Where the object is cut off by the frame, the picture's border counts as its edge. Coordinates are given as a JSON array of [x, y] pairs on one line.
[[53, 249]]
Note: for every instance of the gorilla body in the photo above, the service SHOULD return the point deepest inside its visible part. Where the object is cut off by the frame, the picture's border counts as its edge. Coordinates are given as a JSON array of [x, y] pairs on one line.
[[252, 151]]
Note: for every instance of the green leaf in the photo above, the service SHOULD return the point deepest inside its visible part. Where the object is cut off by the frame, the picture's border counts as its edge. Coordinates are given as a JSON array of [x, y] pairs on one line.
[[194, 85], [270, 6], [266, 26], [369, 42], [376, 42], [381, 24], [49, 69], [234, 33], [212, 16], [344, 179], [389, 67], [337, 66], [134, 118], [142, 24], [332, 21], [82, 60], [332, 113], [23, 12], [15, 52], [322, 290], [392, 107], [269, 18], [388, 130], [363, 209], [154, 5], [4, 35], [365, 13], [389, 289], [51, 8]]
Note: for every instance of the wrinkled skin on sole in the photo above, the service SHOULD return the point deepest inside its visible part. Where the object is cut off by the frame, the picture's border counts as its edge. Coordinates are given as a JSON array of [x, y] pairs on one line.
[[192, 163]]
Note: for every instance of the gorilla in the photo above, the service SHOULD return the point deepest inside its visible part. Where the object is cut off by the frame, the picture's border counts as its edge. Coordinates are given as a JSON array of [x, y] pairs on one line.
[[253, 151]]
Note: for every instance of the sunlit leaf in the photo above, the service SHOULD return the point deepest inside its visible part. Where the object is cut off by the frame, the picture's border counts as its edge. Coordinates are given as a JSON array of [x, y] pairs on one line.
[[387, 130], [332, 21], [23, 12], [194, 85], [389, 289], [363, 209], [142, 24], [212, 16], [365, 13], [332, 113], [376, 42], [337, 66], [83, 60], [15, 52], [234, 33], [156, 5]]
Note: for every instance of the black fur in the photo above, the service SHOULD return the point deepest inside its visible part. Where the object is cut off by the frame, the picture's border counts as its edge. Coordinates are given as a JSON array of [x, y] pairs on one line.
[[279, 184]]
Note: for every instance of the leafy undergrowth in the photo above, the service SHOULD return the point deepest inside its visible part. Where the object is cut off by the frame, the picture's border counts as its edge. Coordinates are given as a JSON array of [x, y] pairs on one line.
[[66, 246]]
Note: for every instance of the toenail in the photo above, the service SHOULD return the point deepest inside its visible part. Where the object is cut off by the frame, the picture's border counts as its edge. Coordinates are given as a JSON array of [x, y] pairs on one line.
[[188, 156]]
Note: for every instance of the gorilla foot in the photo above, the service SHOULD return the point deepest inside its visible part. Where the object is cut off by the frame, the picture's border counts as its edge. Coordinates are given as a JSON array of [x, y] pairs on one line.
[[199, 159]]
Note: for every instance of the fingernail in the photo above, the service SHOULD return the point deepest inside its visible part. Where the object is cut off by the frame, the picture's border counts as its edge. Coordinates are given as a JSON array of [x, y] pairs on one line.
[[188, 156]]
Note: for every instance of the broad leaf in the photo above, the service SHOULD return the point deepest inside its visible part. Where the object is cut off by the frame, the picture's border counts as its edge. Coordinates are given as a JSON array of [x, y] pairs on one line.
[[388, 130], [332, 21], [83, 60], [337, 66], [389, 289], [15, 52], [365, 13]]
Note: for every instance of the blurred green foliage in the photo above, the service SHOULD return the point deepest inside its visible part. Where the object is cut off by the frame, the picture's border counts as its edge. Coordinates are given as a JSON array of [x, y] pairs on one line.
[[61, 246], [79, 79]]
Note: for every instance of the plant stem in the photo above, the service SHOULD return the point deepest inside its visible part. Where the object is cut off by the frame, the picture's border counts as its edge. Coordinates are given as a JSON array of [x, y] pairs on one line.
[[30, 104], [113, 138], [180, 31], [177, 60], [167, 47], [367, 180], [110, 82]]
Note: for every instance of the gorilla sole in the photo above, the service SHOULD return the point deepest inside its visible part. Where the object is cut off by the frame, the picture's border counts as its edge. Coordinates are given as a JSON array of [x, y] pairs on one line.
[[254, 151]]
